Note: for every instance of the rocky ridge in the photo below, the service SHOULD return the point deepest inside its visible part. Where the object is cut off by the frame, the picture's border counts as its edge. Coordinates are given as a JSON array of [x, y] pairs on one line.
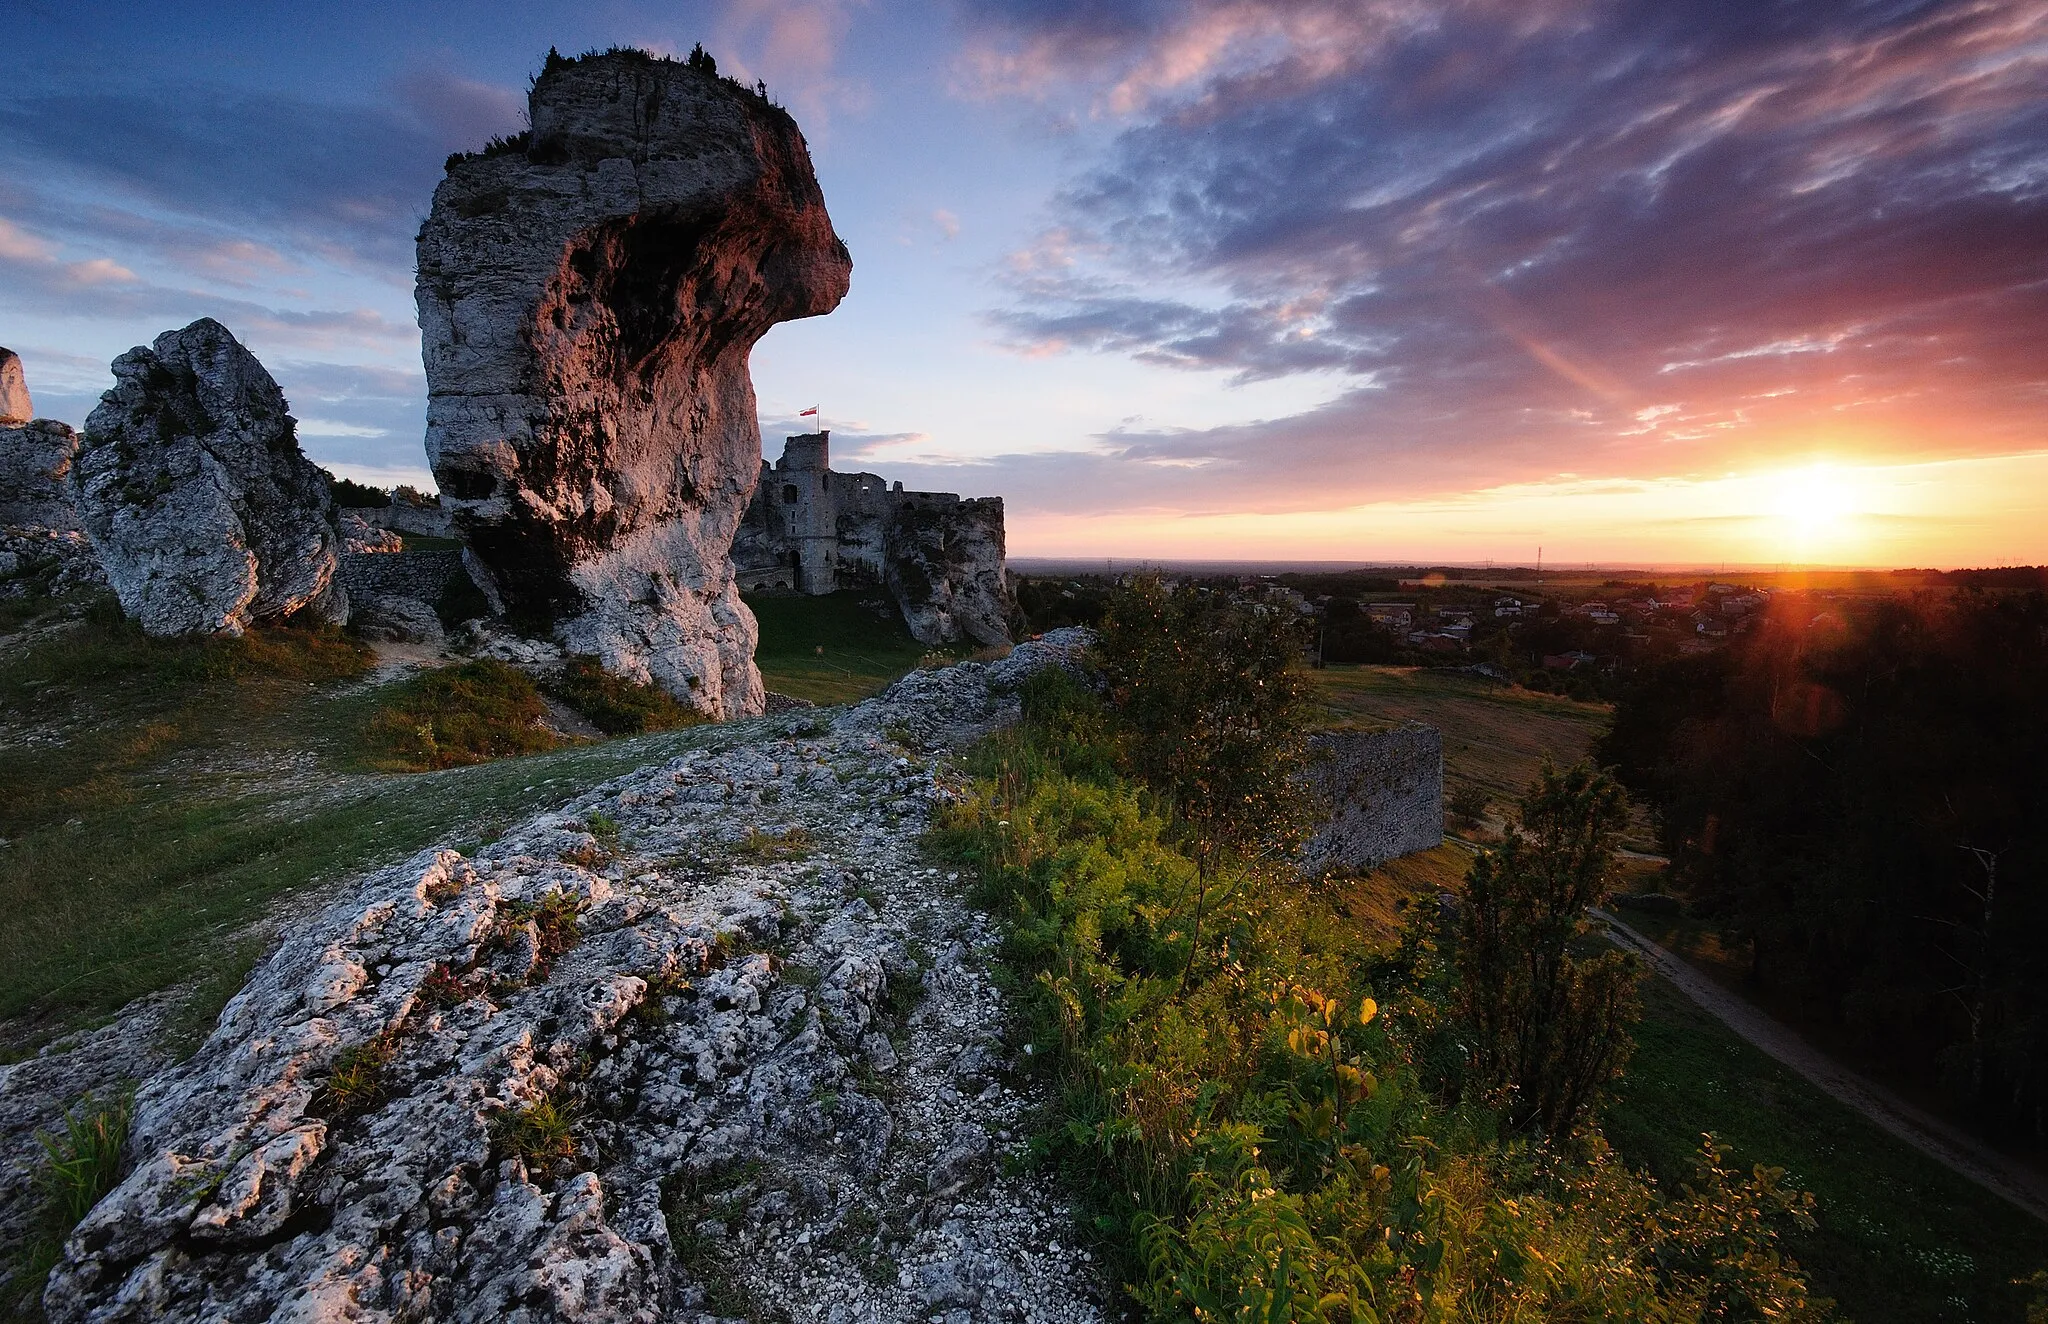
[[711, 1040], [589, 293], [205, 514]]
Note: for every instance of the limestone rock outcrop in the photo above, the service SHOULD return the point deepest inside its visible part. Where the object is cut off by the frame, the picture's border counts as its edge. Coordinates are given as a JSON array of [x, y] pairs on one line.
[[35, 470], [813, 530], [589, 294], [617, 1067], [15, 405], [190, 482]]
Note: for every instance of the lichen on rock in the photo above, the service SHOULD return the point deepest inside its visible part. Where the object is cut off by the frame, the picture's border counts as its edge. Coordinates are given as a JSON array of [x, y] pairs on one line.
[[589, 295], [191, 484]]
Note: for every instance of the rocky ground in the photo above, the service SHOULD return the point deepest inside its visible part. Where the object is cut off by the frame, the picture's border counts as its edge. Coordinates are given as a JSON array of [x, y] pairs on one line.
[[713, 1040]]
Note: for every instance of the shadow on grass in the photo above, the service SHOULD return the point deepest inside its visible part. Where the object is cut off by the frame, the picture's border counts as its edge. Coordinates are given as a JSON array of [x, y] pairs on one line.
[[1900, 1238]]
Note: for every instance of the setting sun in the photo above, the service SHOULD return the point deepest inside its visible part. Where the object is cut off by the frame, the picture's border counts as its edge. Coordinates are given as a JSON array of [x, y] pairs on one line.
[[1815, 504]]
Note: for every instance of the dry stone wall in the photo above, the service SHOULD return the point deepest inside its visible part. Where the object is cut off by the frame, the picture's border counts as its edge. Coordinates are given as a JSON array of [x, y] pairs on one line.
[[1385, 790]]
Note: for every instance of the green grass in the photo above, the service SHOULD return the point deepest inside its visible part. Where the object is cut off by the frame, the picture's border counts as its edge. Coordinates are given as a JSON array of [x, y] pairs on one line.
[[79, 1166], [1900, 1238], [615, 705], [471, 713], [831, 649]]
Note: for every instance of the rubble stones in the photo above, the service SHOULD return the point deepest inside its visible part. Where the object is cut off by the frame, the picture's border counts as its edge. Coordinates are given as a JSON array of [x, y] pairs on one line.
[[588, 296], [360, 537], [738, 1142], [190, 482], [397, 620]]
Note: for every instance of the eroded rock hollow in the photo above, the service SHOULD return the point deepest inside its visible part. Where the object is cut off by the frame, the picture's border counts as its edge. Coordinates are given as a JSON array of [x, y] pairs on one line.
[[589, 295], [190, 481]]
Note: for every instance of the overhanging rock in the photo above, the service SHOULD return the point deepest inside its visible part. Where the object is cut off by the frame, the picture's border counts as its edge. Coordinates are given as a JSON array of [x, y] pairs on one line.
[[589, 294]]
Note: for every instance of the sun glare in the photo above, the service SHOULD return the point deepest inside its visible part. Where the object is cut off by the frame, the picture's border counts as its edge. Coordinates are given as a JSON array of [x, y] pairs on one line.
[[1815, 505]]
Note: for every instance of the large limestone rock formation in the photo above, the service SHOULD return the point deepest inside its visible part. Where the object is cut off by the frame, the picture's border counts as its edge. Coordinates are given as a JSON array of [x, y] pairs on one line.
[[15, 406], [589, 294], [191, 484]]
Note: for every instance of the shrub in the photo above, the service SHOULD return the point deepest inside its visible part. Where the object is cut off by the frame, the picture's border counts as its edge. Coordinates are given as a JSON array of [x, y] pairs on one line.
[[458, 715], [615, 705], [356, 496]]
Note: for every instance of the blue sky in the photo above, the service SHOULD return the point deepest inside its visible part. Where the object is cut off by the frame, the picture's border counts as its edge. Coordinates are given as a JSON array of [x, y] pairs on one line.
[[1649, 279]]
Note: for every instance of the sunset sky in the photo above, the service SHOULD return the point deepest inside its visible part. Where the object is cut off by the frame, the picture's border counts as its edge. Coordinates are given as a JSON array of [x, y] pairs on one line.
[[1650, 281]]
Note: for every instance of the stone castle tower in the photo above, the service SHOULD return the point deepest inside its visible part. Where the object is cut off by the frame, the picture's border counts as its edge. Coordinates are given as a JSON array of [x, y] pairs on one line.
[[801, 482], [810, 530]]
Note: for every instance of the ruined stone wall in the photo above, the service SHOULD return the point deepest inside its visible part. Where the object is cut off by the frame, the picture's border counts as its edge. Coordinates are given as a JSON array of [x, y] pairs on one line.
[[422, 575], [1385, 790], [941, 558]]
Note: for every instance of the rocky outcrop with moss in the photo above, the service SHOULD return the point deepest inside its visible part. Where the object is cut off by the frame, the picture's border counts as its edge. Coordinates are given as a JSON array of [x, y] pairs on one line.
[[190, 482], [712, 1040], [589, 293]]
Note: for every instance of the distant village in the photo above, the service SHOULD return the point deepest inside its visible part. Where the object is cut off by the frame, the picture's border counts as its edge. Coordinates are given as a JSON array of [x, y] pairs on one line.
[[1574, 637]]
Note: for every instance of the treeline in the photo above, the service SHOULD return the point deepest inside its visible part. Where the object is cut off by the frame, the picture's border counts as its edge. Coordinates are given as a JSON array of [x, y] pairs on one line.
[[1273, 1112], [1862, 800]]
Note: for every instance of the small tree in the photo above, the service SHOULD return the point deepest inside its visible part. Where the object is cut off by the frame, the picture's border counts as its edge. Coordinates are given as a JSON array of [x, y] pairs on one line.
[[1211, 712], [1212, 709], [1548, 1026]]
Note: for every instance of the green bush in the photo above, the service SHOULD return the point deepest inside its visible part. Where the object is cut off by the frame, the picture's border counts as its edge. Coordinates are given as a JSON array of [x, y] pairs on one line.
[[471, 713], [1251, 1133], [1548, 1027], [615, 705]]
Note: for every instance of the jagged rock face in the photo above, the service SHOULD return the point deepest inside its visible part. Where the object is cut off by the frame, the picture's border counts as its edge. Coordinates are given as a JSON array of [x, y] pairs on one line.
[[359, 536], [945, 568], [587, 308], [190, 482], [15, 406], [35, 470], [778, 1075]]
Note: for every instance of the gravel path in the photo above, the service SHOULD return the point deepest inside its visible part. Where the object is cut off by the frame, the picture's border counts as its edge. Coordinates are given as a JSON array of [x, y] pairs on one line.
[[1930, 1135]]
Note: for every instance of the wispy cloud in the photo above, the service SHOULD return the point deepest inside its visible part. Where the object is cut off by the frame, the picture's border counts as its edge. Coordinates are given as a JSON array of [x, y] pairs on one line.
[[1637, 238]]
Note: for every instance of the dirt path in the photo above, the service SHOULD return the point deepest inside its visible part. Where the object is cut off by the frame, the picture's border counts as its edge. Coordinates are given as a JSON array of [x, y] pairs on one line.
[[1931, 1136]]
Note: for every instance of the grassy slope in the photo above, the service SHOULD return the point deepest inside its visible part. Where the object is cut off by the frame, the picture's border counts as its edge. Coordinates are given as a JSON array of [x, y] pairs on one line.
[[152, 811], [1900, 1238], [830, 649]]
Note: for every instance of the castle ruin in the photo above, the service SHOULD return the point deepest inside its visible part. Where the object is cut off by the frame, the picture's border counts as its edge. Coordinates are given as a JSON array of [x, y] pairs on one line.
[[810, 530]]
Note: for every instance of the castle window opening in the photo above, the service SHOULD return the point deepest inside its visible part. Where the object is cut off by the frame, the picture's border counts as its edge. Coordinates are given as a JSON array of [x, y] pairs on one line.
[[789, 494]]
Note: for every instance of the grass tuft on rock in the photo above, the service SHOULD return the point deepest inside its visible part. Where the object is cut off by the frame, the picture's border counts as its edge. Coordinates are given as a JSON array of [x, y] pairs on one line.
[[80, 1165], [615, 705], [472, 713], [539, 1134]]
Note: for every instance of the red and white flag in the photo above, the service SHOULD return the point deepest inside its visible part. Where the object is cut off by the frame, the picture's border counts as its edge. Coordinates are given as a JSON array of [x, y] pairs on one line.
[[806, 413]]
